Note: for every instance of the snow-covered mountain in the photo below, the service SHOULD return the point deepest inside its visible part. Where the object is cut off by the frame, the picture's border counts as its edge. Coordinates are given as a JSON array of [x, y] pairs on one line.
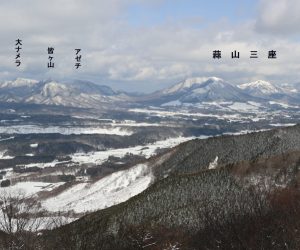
[[261, 88], [191, 91], [73, 94], [197, 82], [201, 89], [270, 92], [291, 88], [19, 82]]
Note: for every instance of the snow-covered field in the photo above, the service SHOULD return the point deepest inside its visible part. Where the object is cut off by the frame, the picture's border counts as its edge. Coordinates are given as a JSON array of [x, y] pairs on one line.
[[226, 106], [98, 157], [282, 124], [43, 165], [284, 105], [145, 150], [243, 107], [165, 113], [29, 188], [35, 129]]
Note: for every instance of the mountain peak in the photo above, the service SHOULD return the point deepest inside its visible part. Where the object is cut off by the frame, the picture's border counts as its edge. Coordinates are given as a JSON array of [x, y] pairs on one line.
[[191, 82], [53, 88], [262, 86], [19, 82], [201, 89]]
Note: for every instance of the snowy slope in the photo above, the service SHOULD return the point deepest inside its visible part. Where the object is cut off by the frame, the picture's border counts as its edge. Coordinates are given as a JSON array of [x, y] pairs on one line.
[[271, 92], [192, 82], [72, 94], [201, 89], [261, 88], [108, 191]]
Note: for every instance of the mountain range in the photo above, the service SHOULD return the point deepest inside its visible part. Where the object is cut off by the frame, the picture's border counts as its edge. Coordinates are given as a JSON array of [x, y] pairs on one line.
[[81, 94], [85, 94]]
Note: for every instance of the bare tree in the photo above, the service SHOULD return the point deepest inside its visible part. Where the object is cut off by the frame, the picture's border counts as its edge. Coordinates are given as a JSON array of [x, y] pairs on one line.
[[21, 218]]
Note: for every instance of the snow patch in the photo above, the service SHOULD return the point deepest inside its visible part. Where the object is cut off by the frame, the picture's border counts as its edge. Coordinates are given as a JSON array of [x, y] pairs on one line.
[[172, 103], [282, 124], [214, 164], [3, 155]]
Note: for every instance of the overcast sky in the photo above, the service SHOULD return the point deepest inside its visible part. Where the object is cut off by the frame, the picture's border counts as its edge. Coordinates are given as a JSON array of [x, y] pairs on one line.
[[144, 45]]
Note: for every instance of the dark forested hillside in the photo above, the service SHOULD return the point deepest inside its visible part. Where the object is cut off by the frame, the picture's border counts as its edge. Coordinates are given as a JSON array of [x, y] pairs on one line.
[[253, 185], [197, 154]]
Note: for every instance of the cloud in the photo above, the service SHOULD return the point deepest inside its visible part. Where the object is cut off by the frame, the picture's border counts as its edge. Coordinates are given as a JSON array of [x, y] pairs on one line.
[[142, 58], [279, 17]]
